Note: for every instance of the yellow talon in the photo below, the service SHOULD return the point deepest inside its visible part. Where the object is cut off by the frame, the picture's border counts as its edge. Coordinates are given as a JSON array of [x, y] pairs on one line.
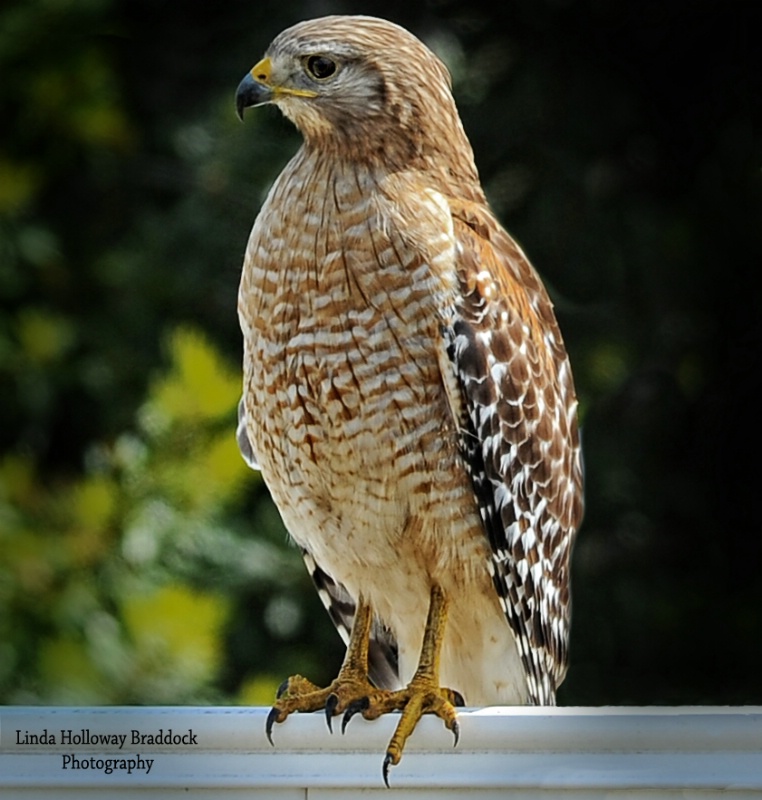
[[352, 693], [299, 694]]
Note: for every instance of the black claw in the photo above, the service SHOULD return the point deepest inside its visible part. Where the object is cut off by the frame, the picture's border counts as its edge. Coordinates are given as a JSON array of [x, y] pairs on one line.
[[269, 725], [385, 769], [455, 732], [282, 689], [355, 707], [330, 709], [458, 698]]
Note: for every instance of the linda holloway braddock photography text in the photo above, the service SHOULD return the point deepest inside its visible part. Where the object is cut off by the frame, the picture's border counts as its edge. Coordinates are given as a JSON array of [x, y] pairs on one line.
[[89, 740]]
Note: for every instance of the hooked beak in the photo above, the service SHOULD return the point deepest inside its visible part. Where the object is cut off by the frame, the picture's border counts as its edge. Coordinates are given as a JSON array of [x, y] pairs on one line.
[[257, 88], [254, 91]]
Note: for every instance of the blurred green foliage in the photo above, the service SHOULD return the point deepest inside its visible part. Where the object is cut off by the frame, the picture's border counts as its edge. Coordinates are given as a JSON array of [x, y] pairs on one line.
[[115, 581], [141, 561]]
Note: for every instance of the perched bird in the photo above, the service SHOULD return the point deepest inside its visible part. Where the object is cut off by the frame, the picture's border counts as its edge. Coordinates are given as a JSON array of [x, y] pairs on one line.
[[407, 394]]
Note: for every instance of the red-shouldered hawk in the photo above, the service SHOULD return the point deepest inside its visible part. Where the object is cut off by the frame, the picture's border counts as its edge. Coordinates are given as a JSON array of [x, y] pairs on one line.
[[407, 394]]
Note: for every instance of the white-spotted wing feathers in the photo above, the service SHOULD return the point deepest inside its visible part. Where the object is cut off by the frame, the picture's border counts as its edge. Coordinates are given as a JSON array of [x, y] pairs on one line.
[[519, 440]]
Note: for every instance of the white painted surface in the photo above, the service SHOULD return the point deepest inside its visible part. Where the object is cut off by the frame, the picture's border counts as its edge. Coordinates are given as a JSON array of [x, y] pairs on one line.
[[520, 753]]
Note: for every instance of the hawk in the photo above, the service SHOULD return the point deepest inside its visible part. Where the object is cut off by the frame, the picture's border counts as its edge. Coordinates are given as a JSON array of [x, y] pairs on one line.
[[407, 394]]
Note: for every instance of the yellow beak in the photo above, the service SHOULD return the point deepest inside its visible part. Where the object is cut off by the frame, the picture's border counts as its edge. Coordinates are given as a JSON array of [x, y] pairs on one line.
[[262, 71], [257, 88]]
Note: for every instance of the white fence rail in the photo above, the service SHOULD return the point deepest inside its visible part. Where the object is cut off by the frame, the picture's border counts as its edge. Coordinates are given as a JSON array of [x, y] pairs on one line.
[[519, 753]]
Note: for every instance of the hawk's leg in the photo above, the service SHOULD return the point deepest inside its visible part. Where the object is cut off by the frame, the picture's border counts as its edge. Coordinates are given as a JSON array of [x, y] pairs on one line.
[[423, 695], [299, 694]]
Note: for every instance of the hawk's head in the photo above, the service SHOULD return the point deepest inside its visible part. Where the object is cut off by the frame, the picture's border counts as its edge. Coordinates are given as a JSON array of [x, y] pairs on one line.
[[357, 82]]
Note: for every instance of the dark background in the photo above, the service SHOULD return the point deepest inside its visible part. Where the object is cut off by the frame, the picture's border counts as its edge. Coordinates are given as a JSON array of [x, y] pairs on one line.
[[618, 142]]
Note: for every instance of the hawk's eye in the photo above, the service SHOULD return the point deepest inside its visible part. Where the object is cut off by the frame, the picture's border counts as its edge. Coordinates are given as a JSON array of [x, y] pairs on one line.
[[320, 67]]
